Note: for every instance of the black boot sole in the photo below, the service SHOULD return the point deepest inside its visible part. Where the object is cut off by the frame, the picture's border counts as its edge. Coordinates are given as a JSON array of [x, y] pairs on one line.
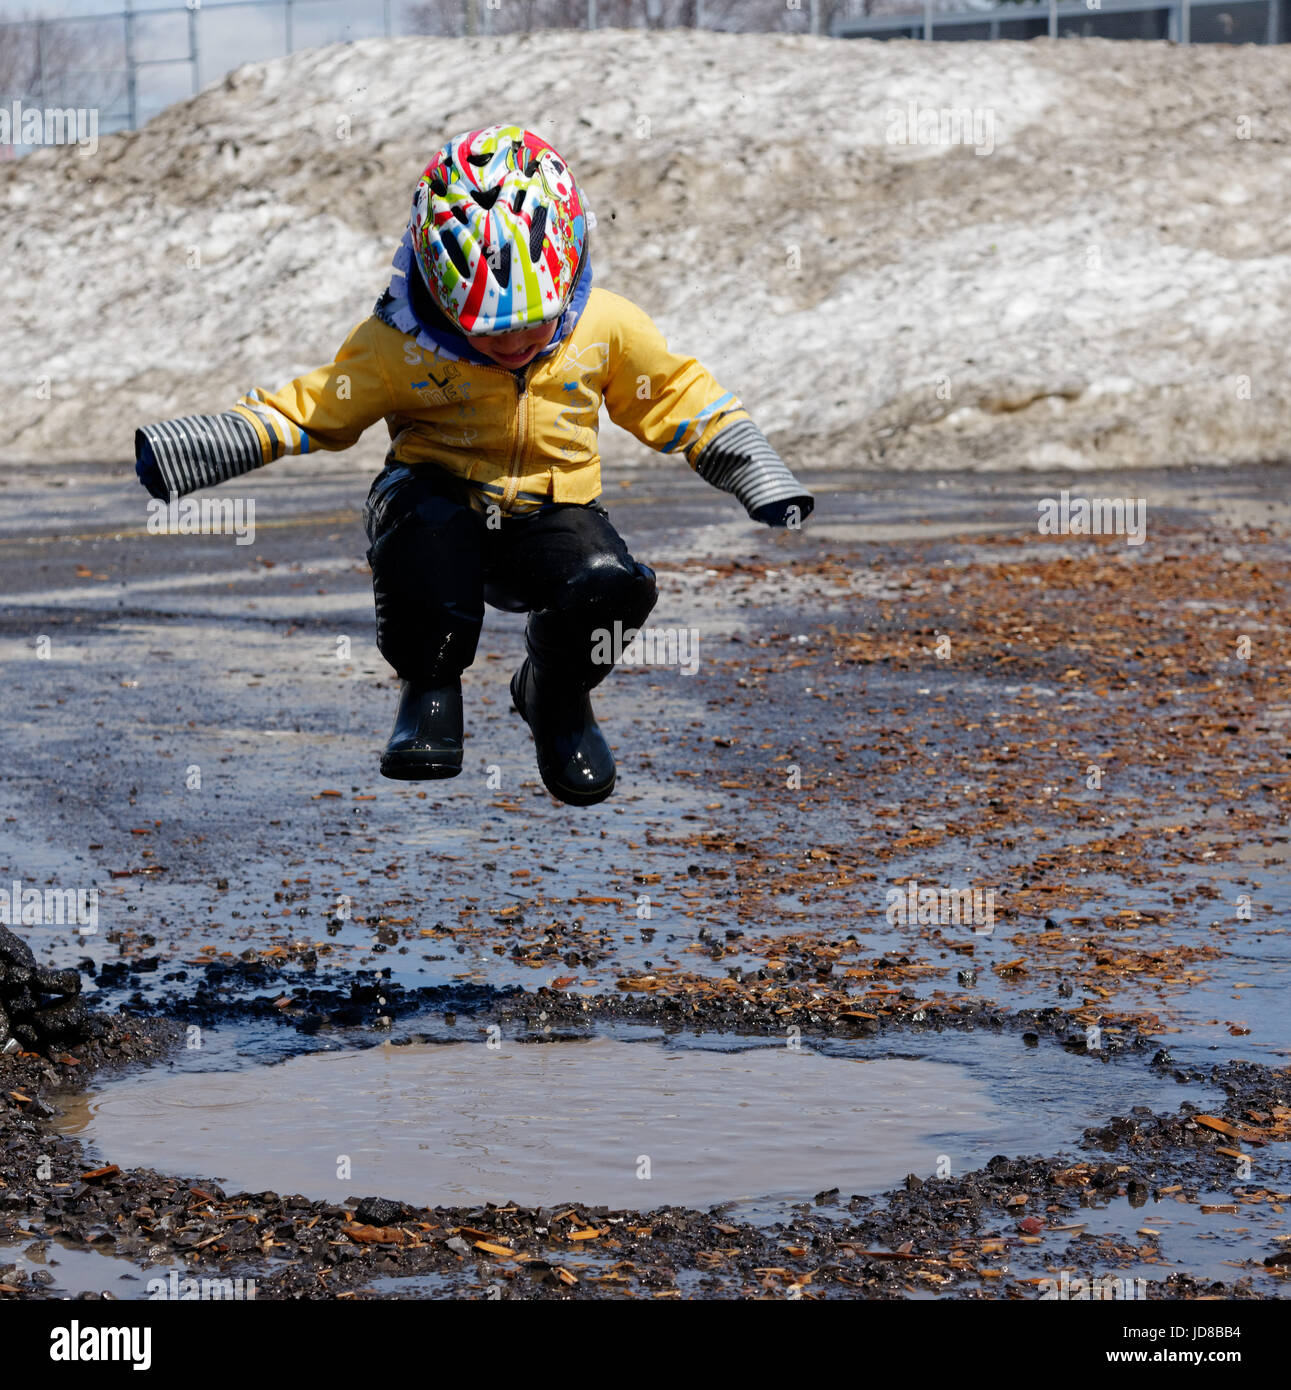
[[568, 795], [420, 765]]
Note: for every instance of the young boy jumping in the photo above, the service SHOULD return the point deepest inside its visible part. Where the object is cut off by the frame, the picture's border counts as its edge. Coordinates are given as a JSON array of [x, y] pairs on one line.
[[489, 357]]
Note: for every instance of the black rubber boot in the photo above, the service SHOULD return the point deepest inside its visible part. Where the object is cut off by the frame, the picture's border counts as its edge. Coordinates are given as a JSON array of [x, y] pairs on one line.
[[574, 760], [427, 737]]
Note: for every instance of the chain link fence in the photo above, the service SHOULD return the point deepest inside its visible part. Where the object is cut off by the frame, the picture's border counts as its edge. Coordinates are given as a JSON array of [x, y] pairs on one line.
[[118, 69], [1176, 21], [126, 65], [462, 17]]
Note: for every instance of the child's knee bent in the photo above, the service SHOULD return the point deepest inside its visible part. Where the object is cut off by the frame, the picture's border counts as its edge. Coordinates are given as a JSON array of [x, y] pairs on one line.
[[608, 587]]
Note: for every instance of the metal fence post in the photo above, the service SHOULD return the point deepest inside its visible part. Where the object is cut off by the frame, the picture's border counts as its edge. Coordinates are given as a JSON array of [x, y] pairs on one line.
[[815, 16], [591, 14], [40, 58], [1053, 19], [192, 48], [1271, 33], [1185, 21], [927, 19], [699, 13], [132, 76], [385, 16], [286, 14]]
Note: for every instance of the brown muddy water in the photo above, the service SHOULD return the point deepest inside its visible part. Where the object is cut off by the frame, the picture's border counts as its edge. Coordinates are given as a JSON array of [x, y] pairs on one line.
[[600, 1121]]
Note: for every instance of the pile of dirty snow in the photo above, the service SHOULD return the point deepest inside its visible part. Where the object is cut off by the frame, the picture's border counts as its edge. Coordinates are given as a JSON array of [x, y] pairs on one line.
[[1103, 278]]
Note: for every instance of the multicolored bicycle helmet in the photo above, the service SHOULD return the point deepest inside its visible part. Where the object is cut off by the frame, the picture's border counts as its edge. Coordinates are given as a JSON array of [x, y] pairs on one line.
[[498, 230]]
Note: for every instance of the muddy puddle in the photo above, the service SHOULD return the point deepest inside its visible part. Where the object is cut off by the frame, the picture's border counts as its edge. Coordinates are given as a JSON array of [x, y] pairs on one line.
[[600, 1120], [71, 1272], [1213, 1236]]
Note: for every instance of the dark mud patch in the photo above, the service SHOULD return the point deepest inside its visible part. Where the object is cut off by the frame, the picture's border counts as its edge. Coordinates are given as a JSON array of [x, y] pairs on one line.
[[40, 1008], [309, 1003], [284, 1008]]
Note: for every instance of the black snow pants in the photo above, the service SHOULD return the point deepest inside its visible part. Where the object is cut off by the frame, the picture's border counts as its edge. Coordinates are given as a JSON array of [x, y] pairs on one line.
[[436, 561]]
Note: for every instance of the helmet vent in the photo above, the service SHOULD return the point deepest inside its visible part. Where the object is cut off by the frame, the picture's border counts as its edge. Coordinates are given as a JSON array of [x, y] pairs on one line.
[[460, 214], [500, 265], [438, 187], [455, 253], [479, 160], [517, 203], [536, 232], [486, 197]]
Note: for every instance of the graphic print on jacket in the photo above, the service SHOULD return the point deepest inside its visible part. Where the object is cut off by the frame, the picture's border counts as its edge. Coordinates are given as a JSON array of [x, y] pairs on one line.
[[580, 416]]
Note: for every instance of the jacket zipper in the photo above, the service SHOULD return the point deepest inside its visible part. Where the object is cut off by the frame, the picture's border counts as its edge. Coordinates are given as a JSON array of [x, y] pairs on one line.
[[513, 478]]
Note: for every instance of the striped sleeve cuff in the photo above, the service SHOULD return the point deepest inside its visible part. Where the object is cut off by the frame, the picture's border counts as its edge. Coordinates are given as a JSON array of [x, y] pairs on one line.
[[199, 451], [741, 461]]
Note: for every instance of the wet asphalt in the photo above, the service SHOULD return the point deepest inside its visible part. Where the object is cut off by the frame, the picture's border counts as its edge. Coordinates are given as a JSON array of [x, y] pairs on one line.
[[193, 729]]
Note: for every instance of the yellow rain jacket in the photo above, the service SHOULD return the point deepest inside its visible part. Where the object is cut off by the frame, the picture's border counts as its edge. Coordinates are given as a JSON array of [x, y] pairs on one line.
[[520, 438]]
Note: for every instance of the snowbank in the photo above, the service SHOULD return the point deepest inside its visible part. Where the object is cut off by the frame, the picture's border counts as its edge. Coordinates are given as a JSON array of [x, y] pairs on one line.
[[1104, 279]]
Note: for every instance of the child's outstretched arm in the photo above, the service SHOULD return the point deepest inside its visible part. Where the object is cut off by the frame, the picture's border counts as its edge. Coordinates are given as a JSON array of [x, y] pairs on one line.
[[328, 408], [673, 404]]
